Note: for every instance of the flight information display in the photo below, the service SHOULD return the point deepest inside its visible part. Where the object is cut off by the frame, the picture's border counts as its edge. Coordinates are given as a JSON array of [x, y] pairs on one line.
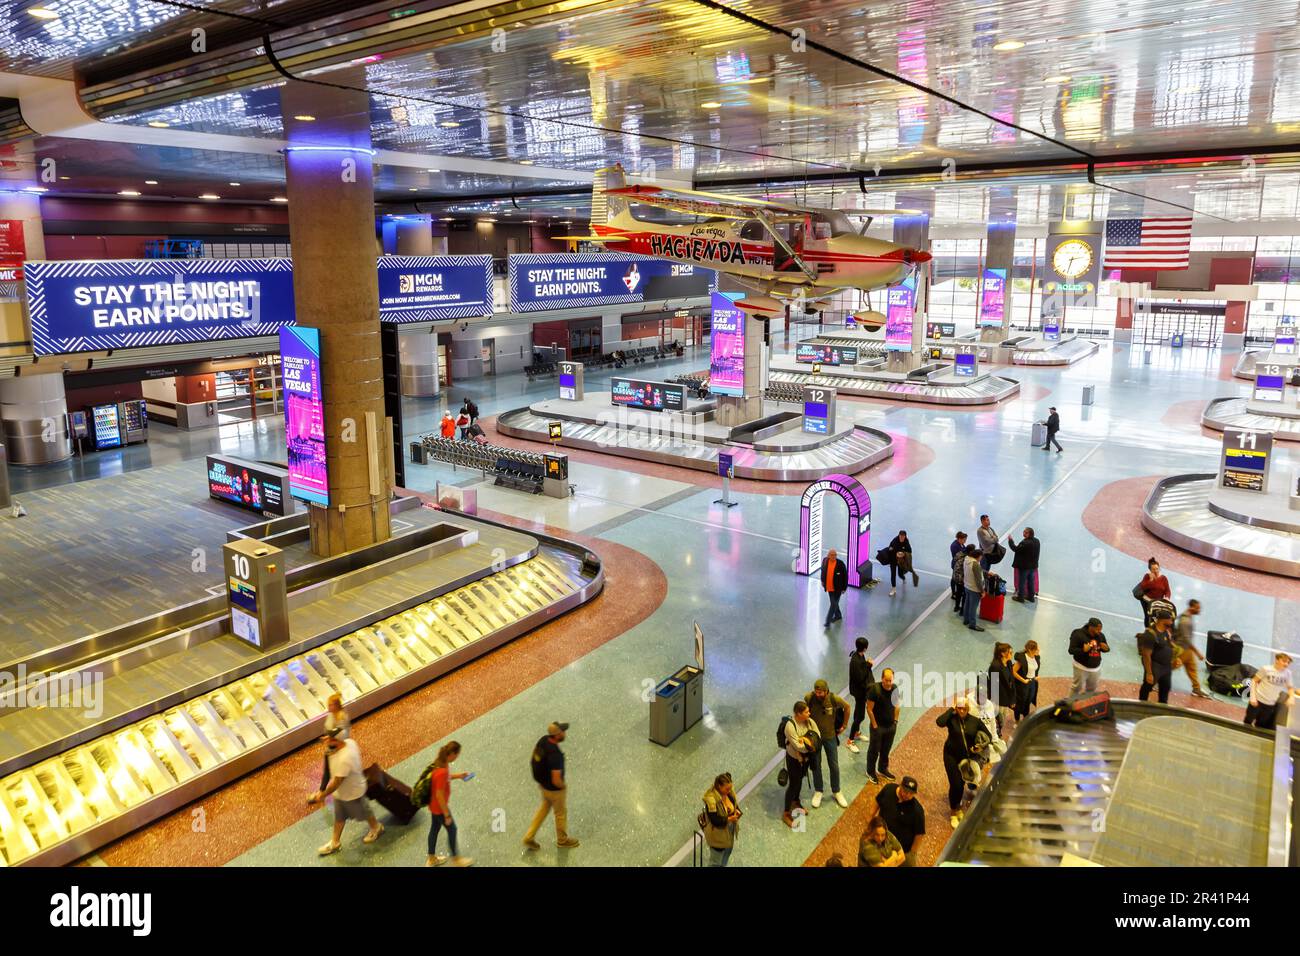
[[650, 396]]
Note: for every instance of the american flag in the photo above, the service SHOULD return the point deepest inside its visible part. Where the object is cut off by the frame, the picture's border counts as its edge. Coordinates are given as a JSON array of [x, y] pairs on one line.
[[1148, 243]]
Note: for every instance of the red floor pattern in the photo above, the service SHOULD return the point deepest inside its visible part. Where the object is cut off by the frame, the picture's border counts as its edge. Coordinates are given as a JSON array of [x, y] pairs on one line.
[[272, 798], [918, 755]]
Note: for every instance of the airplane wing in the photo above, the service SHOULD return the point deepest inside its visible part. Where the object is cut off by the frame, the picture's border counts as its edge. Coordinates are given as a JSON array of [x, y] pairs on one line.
[[704, 203], [591, 238]]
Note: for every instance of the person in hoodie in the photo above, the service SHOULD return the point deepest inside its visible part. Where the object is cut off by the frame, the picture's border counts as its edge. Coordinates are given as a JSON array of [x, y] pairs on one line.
[[860, 678], [1025, 565]]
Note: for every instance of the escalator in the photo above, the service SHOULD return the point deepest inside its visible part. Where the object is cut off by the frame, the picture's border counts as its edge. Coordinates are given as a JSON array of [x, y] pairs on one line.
[[65, 806]]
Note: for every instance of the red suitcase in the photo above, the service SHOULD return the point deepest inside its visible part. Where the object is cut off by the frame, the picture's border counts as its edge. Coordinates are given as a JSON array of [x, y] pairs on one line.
[[390, 793], [991, 607]]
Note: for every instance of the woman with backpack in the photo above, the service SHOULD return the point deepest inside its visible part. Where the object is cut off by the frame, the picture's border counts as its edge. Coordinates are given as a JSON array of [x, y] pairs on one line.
[[801, 741], [439, 782], [720, 820]]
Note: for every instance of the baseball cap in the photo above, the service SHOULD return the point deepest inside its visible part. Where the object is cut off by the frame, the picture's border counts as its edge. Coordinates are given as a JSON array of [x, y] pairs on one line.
[[555, 727], [821, 685], [909, 784]]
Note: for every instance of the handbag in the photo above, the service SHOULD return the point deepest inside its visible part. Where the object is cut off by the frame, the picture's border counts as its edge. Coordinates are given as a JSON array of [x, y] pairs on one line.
[[969, 768], [1137, 590]]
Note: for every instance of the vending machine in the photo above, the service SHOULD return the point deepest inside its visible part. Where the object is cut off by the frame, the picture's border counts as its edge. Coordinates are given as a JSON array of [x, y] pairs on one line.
[[136, 420], [106, 426]]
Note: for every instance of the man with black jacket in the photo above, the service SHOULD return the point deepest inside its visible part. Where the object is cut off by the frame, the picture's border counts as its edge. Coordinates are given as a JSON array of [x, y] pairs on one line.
[[1053, 426], [882, 708], [860, 678], [1025, 566], [835, 581], [1087, 644]]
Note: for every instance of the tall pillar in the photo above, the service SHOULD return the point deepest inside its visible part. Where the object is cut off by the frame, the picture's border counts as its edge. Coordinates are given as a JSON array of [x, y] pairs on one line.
[[913, 232], [332, 227], [999, 253]]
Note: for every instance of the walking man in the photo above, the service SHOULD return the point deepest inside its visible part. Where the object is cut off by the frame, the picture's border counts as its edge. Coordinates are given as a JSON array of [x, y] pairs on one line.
[[835, 581], [548, 770], [883, 712], [1156, 647], [348, 784], [1053, 426], [831, 715], [1187, 653], [1087, 644]]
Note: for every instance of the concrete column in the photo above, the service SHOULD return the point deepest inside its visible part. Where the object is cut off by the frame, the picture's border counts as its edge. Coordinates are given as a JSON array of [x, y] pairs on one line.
[[419, 361], [332, 227], [913, 232], [414, 237], [999, 253], [34, 413]]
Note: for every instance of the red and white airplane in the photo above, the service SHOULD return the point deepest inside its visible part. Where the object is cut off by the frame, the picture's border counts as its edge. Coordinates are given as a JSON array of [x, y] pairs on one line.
[[779, 252]]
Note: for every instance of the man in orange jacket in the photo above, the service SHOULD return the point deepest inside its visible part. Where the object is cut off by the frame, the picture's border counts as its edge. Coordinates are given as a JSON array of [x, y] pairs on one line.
[[835, 581]]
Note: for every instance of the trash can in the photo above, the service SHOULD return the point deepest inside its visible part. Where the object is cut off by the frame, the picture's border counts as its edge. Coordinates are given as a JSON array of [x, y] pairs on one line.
[[1089, 391], [1038, 438], [668, 712], [419, 454], [693, 680]]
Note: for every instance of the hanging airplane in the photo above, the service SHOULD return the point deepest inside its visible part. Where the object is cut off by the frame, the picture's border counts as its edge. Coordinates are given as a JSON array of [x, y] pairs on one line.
[[780, 253]]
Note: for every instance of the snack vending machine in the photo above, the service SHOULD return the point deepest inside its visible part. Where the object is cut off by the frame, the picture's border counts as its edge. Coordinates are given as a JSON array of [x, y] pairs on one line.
[[135, 420]]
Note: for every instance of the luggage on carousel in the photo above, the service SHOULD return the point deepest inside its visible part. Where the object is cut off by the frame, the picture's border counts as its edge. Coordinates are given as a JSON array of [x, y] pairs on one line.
[[992, 606], [1038, 438], [390, 793], [1083, 709], [1222, 648], [1231, 680]]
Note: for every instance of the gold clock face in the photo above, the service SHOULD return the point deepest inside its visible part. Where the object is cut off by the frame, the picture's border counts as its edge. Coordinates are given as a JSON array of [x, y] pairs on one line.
[[1072, 258]]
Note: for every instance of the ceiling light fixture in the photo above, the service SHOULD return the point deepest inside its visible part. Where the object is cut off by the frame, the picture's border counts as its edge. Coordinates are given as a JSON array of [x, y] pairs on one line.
[[1005, 46], [1057, 79], [278, 199], [449, 124], [43, 13], [151, 182], [209, 196], [448, 219], [35, 189], [234, 184], [525, 162], [305, 118], [413, 189], [329, 149], [711, 105], [159, 124], [431, 170], [128, 192]]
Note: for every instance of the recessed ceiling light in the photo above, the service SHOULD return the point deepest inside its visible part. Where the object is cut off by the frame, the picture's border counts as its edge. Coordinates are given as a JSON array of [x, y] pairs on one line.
[[711, 105], [449, 124], [305, 118], [159, 124], [278, 199], [485, 222], [525, 162], [128, 192], [43, 13], [431, 170], [1007, 45], [413, 189], [35, 189], [1057, 79], [151, 182], [234, 184], [448, 219], [65, 177], [209, 196], [530, 220]]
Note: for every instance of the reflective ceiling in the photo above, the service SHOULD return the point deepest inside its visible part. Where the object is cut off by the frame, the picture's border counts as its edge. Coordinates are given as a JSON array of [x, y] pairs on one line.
[[997, 103]]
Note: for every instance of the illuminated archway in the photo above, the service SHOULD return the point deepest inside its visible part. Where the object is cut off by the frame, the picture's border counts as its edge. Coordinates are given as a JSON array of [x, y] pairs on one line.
[[852, 493]]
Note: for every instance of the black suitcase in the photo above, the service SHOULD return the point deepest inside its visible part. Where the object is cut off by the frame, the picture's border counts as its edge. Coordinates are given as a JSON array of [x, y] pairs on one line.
[[390, 793], [1222, 648]]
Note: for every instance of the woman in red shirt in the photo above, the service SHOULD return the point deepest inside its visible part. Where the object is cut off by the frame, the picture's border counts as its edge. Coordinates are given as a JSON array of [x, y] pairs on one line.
[[1152, 587], [440, 805]]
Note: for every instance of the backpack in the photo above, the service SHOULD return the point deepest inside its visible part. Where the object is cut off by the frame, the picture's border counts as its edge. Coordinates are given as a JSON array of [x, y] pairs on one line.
[[1232, 680], [1083, 708], [423, 789]]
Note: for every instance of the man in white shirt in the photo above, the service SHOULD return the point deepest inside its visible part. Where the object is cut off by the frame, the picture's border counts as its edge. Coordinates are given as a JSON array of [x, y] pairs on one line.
[[348, 784], [1270, 693]]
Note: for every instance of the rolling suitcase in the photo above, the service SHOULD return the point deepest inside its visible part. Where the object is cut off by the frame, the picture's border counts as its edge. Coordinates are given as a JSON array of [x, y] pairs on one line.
[[1039, 436], [390, 793], [992, 606], [1222, 648]]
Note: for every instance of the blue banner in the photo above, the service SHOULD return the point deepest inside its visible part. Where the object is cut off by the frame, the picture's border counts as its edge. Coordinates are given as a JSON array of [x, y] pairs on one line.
[[80, 306], [430, 288], [572, 280]]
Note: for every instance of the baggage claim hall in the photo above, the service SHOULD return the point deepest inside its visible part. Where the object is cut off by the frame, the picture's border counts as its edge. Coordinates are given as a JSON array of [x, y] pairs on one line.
[[648, 434]]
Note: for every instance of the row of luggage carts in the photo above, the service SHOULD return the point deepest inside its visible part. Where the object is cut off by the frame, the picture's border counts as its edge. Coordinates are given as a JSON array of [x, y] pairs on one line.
[[512, 467]]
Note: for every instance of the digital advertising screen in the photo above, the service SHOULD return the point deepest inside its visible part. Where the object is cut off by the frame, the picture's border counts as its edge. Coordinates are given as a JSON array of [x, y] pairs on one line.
[[431, 288], [304, 414], [900, 312], [570, 280], [650, 396], [91, 306], [826, 354], [1270, 388], [940, 330], [727, 347], [107, 431], [241, 483], [993, 297]]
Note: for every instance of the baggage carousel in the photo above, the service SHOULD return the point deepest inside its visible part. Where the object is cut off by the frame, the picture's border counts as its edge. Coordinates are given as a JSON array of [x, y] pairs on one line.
[[986, 390], [1069, 792], [850, 452], [1180, 510], [1222, 414], [188, 708], [1024, 349]]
